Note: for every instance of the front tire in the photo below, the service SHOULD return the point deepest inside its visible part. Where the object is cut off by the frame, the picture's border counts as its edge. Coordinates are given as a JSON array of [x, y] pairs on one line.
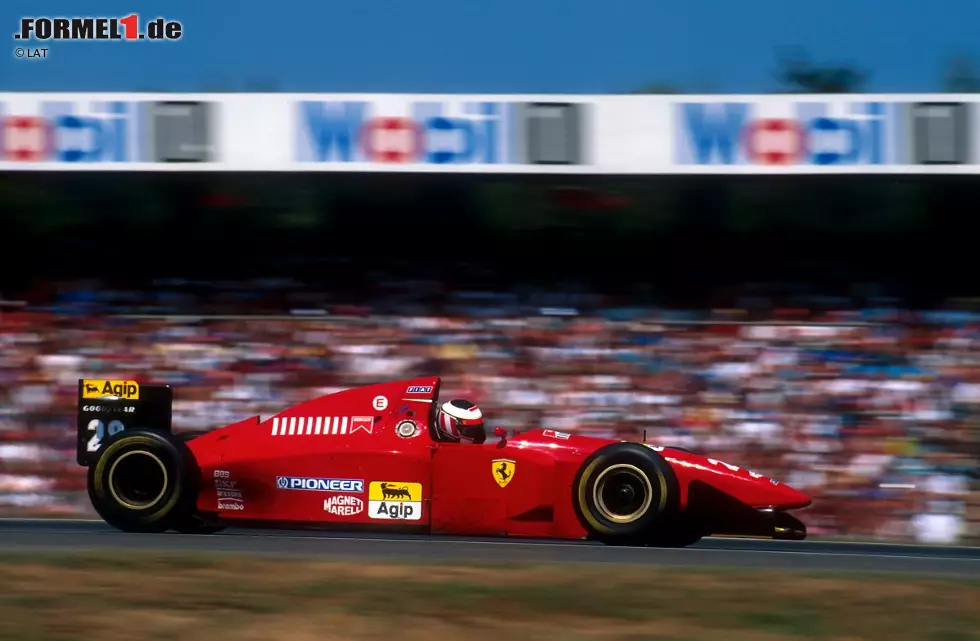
[[142, 482], [675, 536], [624, 494]]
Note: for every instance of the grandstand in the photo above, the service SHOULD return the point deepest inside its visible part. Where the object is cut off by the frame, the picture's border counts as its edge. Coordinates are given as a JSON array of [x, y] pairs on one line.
[[818, 329]]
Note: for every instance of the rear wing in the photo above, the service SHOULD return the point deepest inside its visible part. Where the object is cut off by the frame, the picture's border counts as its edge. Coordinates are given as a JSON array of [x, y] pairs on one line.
[[108, 407]]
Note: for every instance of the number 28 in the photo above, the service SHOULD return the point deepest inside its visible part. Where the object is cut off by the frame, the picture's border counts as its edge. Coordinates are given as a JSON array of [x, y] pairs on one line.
[[100, 430]]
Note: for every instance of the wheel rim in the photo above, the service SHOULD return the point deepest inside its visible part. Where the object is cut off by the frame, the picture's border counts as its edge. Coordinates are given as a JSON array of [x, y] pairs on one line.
[[138, 480], [622, 493]]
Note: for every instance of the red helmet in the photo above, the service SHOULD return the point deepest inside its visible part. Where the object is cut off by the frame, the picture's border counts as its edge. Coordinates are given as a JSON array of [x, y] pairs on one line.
[[460, 421]]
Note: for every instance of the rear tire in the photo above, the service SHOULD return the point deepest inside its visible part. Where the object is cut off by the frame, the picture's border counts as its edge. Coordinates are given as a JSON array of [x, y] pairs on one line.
[[142, 482], [194, 525], [624, 494]]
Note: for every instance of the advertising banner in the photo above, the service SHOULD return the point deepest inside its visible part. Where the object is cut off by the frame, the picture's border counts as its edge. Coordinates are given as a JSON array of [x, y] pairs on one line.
[[66, 132], [819, 134], [520, 134], [391, 133]]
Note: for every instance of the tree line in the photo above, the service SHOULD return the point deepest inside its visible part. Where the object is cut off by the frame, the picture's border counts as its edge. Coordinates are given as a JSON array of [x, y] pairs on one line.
[[797, 72]]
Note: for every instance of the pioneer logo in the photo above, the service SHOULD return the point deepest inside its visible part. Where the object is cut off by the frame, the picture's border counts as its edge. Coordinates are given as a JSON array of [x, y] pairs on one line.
[[319, 485]]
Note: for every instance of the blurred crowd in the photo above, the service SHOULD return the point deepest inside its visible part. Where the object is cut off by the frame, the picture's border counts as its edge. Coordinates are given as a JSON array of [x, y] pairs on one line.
[[875, 412]]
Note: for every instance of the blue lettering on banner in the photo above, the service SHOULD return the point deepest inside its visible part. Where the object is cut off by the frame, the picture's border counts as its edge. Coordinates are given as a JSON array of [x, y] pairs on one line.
[[319, 485], [820, 133], [70, 132], [451, 132]]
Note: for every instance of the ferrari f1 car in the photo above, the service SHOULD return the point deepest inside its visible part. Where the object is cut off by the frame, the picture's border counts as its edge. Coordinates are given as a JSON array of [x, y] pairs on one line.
[[370, 459]]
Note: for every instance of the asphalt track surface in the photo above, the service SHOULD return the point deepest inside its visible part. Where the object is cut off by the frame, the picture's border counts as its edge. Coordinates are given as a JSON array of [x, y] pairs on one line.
[[48, 535]]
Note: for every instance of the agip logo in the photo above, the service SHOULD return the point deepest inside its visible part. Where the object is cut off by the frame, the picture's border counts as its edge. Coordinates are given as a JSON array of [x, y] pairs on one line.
[[129, 390], [395, 501]]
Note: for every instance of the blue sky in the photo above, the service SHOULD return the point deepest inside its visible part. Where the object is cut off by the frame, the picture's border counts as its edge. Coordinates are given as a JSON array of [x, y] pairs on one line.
[[512, 46]]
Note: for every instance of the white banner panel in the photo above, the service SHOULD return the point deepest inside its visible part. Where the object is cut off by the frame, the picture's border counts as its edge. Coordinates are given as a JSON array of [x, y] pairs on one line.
[[532, 134], [824, 134]]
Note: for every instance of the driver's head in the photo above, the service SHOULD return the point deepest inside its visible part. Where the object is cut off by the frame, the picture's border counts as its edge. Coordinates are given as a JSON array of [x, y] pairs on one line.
[[460, 421]]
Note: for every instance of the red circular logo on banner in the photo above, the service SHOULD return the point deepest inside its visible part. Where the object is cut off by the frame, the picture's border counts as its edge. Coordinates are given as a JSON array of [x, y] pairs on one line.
[[393, 140], [27, 139], [774, 141]]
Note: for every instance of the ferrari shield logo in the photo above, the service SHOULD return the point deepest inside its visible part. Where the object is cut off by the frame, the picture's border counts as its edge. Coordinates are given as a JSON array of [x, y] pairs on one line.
[[503, 471]]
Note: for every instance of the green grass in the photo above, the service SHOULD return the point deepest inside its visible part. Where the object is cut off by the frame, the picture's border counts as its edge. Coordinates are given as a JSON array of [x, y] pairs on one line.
[[191, 597]]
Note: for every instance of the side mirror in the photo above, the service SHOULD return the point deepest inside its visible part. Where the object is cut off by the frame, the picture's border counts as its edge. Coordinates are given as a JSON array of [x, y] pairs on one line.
[[500, 433]]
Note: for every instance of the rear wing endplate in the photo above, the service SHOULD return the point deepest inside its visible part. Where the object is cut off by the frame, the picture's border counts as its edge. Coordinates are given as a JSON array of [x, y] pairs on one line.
[[107, 407]]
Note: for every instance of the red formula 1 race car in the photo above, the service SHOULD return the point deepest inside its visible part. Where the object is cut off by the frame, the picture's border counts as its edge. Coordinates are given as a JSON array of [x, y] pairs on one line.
[[371, 459]]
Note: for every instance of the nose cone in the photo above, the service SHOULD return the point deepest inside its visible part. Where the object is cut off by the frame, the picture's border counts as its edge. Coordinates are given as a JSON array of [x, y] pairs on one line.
[[787, 498], [749, 488]]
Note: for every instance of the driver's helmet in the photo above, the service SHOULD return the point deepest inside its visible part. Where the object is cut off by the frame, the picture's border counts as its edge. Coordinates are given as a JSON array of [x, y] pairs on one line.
[[460, 421]]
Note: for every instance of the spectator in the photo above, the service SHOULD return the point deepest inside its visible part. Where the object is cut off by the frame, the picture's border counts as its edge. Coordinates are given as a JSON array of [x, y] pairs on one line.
[[875, 420]]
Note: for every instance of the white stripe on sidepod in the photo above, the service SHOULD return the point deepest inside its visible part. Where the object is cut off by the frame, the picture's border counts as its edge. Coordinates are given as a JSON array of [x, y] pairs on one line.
[[275, 426], [319, 424], [343, 425]]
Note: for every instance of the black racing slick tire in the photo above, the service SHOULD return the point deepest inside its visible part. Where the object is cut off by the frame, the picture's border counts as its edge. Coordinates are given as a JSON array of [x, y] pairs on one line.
[[144, 481], [624, 493], [195, 525], [675, 536]]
